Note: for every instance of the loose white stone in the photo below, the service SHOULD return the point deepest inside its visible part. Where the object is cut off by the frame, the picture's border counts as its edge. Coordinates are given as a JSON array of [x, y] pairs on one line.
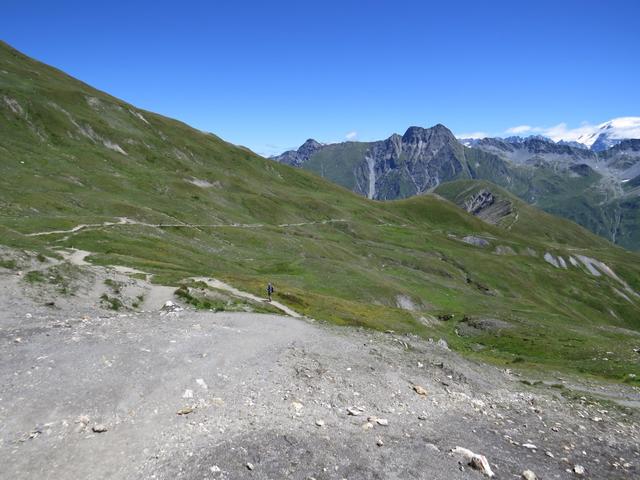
[[479, 462], [201, 382]]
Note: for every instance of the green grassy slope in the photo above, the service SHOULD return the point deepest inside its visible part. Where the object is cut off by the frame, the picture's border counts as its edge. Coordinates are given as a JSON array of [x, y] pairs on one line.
[[586, 199], [337, 162], [71, 155], [530, 220]]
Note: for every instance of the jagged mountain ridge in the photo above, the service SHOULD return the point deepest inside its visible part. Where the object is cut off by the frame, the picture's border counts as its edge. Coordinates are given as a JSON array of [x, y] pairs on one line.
[[599, 190], [522, 150], [412, 163], [432, 155], [536, 148], [596, 138], [398, 167]]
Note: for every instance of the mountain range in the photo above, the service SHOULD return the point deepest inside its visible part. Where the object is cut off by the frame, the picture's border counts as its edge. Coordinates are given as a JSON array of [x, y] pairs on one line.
[[593, 137], [596, 187]]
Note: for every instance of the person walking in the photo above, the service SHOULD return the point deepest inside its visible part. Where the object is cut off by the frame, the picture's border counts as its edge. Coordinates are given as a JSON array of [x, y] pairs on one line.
[[270, 291]]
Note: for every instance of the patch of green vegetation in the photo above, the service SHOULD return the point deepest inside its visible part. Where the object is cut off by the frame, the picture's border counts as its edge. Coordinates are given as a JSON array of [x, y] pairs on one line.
[[65, 277], [112, 303], [9, 264], [338, 162], [116, 287], [138, 301], [202, 297], [199, 303], [631, 378], [35, 276], [62, 276]]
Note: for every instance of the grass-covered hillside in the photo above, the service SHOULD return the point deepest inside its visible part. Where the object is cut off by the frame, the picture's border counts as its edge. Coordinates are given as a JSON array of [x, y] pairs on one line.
[[337, 162], [196, 205], [581, 195]]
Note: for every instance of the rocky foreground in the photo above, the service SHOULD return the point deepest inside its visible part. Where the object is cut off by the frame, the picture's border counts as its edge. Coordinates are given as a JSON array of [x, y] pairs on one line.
[[90, 393]]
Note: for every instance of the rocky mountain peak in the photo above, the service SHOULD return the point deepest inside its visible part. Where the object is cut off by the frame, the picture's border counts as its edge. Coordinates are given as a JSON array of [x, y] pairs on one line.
[[609, 134], [630, 144], [301, 155], [604, 142], [310, 143], [309, 147], [414, 134], [572, 143]]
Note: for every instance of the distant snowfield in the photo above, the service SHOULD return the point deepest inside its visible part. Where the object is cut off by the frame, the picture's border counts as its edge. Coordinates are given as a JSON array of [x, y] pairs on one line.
[[619, 128], [616, 129]]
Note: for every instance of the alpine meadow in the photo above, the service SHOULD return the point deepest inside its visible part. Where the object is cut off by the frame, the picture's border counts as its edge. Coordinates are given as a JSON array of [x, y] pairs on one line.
[[433, 304]]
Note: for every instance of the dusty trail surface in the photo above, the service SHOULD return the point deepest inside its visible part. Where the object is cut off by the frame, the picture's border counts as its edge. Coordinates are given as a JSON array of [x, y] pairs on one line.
[[128, 221], [269, 397], [220, 285]]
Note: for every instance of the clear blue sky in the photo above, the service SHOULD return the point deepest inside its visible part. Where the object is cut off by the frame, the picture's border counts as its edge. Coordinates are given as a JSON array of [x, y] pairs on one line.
[[269, 74]]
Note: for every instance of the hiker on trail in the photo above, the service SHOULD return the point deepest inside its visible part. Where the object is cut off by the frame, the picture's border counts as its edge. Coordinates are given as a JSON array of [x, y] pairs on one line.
[[269, 291]]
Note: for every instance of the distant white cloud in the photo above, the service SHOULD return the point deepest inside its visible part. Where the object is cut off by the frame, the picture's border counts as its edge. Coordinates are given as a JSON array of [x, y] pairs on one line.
[[519, 129], [472, 135], [562, 132], [351, 135]]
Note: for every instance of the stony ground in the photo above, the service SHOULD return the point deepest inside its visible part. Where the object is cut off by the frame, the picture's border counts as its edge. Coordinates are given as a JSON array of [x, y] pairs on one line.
[[89, 393]]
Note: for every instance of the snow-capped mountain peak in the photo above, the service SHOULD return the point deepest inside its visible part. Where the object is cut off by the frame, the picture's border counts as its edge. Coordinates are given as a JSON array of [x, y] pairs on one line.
[[595, 137], [610, 133]]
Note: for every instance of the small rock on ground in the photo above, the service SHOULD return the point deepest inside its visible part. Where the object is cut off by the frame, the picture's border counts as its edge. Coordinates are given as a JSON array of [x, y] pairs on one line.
[[419, 390]]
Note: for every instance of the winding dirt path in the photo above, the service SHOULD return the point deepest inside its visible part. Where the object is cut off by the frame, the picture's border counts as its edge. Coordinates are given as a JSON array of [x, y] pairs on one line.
[[159, 292], [128, 221], [214, 283]]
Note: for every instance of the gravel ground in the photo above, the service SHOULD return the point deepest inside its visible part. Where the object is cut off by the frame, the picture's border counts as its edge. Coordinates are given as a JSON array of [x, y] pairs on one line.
[[198, 395]]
